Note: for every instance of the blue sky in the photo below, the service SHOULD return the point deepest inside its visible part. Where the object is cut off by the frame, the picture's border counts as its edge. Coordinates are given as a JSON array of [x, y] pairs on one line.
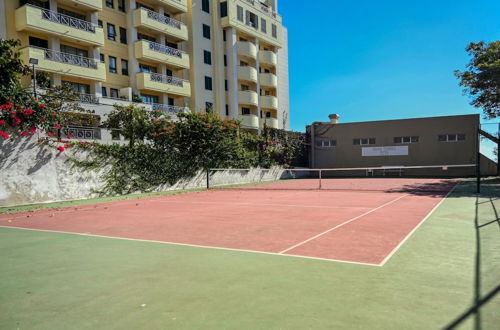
[[386, 59]]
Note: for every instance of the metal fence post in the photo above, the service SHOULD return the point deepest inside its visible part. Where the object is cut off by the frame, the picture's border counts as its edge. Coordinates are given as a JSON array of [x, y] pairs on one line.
[[208, 178]]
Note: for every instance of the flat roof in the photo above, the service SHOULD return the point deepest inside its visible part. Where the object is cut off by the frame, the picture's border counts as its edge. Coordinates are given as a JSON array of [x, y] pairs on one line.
[[401, 119]]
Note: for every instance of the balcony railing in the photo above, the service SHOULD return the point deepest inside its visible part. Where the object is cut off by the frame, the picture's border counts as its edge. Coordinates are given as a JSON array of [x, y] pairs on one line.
[[156, 77], [263, 8], [88, 98], [167, 108], [165, 49], [163, 19], [82, 132], [67, 20], [56, 56]]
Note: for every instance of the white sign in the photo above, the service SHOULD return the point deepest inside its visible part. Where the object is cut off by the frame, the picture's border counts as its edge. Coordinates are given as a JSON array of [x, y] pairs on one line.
[[384, 151]]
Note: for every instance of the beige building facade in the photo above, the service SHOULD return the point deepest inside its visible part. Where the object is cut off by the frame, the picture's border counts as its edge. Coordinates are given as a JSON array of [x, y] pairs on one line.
[[432, 141], [224, 56]]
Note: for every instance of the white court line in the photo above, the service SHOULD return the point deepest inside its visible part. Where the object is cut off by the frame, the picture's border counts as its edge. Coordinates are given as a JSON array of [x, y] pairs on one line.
[[192, 245], [417, 226], [340, 225], [54, 211]]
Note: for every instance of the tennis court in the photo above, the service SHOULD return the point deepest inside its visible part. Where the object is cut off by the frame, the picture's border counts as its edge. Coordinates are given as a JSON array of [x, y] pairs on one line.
[[356, 220]]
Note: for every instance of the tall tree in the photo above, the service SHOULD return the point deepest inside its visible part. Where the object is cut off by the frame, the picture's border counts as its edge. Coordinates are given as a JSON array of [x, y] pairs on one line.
[[481, 80]]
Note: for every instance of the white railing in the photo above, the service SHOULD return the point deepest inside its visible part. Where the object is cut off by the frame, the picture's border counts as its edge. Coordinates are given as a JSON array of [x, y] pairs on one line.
[[83, 132], [263, 8], [168, 108], [163, 19], [56, 56], [165, 49], [88, 98], [164, 79], [66, 20]]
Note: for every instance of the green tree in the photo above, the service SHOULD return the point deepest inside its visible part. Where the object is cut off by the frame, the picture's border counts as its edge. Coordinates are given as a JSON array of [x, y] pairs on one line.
[[481, 80], [11, 68], [133, 122]]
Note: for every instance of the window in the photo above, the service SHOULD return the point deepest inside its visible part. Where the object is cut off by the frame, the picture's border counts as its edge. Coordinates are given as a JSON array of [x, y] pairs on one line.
[[37, 42], [274, 31], [227, 109], [146, 68], [125, 67], [252, 20], [112, 64], [123, 35], [111, 32], [239, 13], [109, 4], [113, 92], [209, 107], [71, 13], [101, 57], [245, 111], [245, 87], [171, 44], [223, 9], [451, 137], [206, 31], [268, 114], [363, 141], [115, 134], [225, 60], [224, 37], [243, 63], [170, 101], [205, 6], [104, 92], [208, 83], [326, 143], [121, 5], [263, 25], [141, 36], [406, 139], [99, 23], [74, 51], [225, 84], [207, 57]]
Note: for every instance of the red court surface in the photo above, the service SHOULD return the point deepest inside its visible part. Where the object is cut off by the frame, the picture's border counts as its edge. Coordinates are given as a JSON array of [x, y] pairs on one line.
[[364, 221]]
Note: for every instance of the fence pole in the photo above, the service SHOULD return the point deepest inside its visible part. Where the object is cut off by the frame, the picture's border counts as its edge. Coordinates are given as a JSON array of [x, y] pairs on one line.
[[319, 179], [478, 165], [208, 178]]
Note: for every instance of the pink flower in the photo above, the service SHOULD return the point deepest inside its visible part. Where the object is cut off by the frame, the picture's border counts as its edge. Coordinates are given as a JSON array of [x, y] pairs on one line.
[[51, 134], [4, 135], [17, 121], [24, 133], [28, 112], [33, 130], [60, 148], [58, 126], [67, 145], [42, 106], [2, 122], [70, 136]]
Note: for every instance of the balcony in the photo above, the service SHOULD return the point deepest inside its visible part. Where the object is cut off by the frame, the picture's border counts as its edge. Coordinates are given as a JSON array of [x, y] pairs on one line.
[[268, 79], [248, 98], [155, 22], [87, 4], [249, 121], [175, 6], [65, 64], [163, 84], [247, 49], [38, 20], [247, 73], [268, 57], [270, 122], [151, 51], [269, 102]]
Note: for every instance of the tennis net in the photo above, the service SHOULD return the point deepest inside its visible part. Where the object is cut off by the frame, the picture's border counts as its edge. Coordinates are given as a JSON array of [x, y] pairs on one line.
[[389, 178]]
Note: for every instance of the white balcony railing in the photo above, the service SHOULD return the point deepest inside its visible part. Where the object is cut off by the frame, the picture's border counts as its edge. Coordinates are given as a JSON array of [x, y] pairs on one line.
[[66, 58], [156, 77], [67, 20], [163, 19], [165, 49], [263, 8], [173, 109]]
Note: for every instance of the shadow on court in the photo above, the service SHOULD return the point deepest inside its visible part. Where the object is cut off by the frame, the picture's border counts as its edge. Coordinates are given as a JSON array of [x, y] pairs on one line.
[[486, 302]]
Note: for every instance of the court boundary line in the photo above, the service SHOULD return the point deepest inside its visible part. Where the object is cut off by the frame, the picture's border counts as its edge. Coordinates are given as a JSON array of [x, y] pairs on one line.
[[341, 224], [407, 237], [193, 245]]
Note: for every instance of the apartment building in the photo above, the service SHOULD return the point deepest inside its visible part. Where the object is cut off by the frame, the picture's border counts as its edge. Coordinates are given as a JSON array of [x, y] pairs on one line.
[[173, 55]]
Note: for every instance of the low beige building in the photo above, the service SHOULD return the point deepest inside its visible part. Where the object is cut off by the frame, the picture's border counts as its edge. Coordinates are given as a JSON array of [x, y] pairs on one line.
[[439, 141]]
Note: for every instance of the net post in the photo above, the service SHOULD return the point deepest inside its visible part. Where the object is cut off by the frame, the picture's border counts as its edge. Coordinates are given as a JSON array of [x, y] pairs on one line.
[[208, 178], [478, 164], [319, 179]]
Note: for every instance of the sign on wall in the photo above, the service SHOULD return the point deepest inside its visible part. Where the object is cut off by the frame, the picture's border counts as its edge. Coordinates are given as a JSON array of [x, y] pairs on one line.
[[384, 151]]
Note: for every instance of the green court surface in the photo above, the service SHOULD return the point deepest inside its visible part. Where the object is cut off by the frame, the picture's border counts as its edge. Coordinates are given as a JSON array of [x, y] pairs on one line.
[[65, 281]]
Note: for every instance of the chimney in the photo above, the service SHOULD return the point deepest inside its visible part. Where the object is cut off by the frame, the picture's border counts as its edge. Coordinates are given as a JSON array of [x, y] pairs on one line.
[[334, 118]]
